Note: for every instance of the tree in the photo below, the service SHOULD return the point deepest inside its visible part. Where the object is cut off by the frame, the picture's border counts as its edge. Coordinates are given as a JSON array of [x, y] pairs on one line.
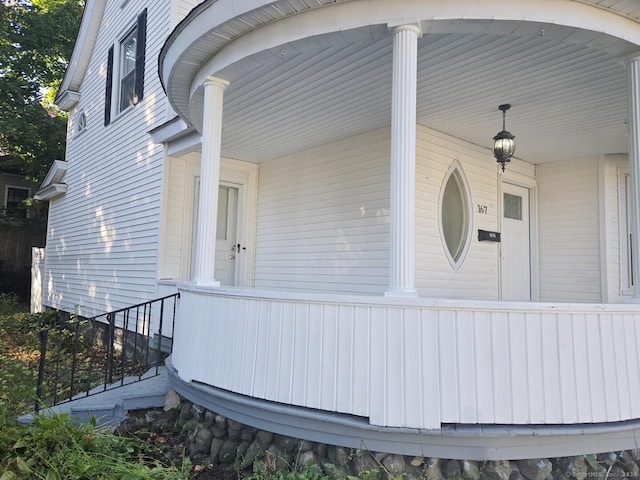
[[36, 42]]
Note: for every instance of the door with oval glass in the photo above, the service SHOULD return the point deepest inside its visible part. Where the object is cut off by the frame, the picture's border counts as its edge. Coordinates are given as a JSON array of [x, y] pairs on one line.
[[515, 248]]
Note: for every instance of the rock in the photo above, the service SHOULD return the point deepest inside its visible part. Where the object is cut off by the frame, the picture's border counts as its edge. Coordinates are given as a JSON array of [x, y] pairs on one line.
[[264, 438], [496, 470], [221, 422], [574, 467], [234, 430], [209, 419], [516, 475], [470, 470], [337, 455], [433, 469], [157, 419], [304, 446], [365, 463], [198, 412], [248, 434], [185, 414], [417, 461], [253, 453], [308, 457], [629, 464], [190, 425], [452, 470], [227, 452], [216, 446], [609, 459], [535, 469], [288, 444], [200, 440], [171, 401], [395, 465]]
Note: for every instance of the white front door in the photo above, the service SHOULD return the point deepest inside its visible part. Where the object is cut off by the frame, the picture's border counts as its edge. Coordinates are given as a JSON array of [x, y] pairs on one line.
[[515, 248], [226, 249], [227, 246]]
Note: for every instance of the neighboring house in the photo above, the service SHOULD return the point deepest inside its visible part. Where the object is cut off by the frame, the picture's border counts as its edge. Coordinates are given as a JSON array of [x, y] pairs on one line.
[[316, 179], [14, 190]]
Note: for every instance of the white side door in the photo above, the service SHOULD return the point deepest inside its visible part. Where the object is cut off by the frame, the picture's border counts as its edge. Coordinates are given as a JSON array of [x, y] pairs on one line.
[[515, 247], [226, 233], [227, 246]]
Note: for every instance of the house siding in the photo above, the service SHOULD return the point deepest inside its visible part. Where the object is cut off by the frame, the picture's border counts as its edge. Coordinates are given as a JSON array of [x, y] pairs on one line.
[[102, 240], [323, 222], [569, 239]]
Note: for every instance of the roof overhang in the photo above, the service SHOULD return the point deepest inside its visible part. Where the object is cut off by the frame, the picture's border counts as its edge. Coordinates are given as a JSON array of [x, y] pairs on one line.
[[52, 185]]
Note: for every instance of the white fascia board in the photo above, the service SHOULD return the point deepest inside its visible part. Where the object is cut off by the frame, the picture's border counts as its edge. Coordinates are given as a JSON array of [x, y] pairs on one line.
[[82, 51], [67, 100], [51, 191], [171, 130]]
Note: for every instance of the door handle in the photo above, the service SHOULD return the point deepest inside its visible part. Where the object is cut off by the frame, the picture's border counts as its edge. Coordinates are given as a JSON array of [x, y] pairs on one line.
[[232, 257]]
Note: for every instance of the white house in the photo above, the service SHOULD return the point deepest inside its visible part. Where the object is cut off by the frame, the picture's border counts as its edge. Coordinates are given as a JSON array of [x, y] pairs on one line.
[[316, 179]]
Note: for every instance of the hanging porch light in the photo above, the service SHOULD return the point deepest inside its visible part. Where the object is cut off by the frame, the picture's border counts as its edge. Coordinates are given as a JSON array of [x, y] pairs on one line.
[[504, 145]]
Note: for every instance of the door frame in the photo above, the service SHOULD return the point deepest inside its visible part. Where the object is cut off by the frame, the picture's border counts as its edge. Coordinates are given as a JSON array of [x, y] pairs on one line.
[[244, 177], [530, 185]]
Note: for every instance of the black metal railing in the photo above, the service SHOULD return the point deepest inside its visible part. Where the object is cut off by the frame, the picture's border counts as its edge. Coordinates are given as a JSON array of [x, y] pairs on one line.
[[86, 356]]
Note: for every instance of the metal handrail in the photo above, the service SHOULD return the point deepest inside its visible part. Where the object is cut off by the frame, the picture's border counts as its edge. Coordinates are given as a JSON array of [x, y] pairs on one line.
[[87, 356]]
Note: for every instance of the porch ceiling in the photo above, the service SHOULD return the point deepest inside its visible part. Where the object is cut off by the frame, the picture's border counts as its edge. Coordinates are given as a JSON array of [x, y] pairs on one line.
[[567, 88]]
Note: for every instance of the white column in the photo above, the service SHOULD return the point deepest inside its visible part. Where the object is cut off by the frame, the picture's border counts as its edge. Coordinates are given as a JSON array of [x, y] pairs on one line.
[[403, 162], [209, 180], [633, 71]]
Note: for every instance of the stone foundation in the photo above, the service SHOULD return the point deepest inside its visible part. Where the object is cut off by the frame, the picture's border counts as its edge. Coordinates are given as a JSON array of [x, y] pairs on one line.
[[210, 438]]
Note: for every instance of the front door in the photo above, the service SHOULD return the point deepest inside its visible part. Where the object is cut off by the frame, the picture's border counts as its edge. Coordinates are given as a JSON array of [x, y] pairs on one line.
[[515, 248]]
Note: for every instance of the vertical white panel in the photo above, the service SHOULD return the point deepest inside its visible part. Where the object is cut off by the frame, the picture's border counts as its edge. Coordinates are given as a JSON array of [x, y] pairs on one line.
[[301, 347], [466, 358], [289, 323], [448, 358], [633, 361], [233, 345], [345, 367], [315, 342], [394, 379], [550, 369], [609, 368], [262, 350], [535, 368], [329, 366], [361, 366], [430, 361], [567, 371], [519, 368], [413, 370], [581, 358], [274, 338], [501, 367], [250, 347], [378, 371], [484, 367], [597, 387], [622, 373]]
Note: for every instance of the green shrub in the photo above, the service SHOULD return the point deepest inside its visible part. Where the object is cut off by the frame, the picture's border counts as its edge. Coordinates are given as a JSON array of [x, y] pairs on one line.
[[55, 447]]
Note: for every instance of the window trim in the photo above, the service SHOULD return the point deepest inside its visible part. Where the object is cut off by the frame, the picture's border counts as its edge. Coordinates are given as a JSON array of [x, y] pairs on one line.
[[456, 167], [6, 196], [624, 227], [113, 88]]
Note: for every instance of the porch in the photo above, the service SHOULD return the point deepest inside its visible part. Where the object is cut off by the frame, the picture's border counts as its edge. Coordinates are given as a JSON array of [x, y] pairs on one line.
[[541, 372]]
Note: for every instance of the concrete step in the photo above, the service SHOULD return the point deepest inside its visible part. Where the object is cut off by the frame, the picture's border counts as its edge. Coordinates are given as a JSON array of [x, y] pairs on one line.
[[110, 406]]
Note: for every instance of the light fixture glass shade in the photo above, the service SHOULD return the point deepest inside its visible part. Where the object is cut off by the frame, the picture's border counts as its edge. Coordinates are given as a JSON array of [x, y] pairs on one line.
[[504, 146]]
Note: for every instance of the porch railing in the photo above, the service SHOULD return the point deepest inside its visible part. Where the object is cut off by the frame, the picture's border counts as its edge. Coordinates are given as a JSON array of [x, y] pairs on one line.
[[86, 356]]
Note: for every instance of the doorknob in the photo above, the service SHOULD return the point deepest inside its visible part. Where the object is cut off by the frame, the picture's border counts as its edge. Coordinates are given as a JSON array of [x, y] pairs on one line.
[[232, 257]]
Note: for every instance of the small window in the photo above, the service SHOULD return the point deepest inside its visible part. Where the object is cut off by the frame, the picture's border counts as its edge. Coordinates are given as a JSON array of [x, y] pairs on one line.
[[512, 206], [455, 216], [82, 122], [15, 199], [626, 243]]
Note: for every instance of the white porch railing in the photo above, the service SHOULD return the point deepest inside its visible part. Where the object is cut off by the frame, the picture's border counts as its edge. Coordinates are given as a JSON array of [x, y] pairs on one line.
[[415, 363]]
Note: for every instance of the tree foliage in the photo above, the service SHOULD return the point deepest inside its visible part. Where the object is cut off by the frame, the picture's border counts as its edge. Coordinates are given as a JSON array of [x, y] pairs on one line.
[[36, 42]]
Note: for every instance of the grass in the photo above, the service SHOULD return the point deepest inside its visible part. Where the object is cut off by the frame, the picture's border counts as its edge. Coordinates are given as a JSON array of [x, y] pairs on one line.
[[55, 447]]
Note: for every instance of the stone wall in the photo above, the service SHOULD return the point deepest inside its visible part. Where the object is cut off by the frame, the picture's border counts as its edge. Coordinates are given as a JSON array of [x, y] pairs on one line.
[[229, 446]]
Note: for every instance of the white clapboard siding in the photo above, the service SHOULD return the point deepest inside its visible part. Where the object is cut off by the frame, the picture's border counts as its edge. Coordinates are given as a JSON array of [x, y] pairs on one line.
[[568, 231], [102, 244], [420, 365], [180, 9], [478, 275], [323, 218]]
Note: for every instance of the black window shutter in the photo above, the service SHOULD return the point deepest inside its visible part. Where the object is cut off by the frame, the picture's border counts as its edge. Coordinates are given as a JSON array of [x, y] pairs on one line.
[[140, 54], [108, 88]]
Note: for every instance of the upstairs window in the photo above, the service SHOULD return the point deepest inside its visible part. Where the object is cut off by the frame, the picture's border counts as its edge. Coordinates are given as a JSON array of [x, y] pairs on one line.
[[455, 216], [125, 70]]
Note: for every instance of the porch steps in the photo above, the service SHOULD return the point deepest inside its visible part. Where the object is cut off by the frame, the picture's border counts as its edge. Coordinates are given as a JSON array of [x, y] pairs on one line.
[[110, 406]]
